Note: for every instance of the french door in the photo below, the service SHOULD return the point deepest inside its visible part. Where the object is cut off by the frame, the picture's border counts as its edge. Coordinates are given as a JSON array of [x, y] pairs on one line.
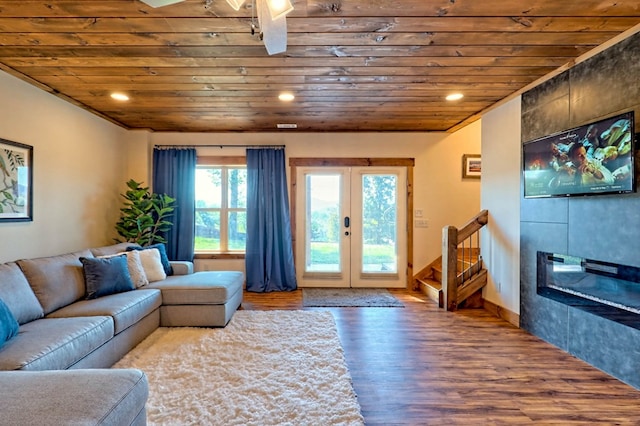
[[351, 228]]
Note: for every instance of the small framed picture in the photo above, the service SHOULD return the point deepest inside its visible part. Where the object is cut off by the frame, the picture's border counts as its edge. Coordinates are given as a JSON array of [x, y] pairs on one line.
[[471, 166], [16, 182]]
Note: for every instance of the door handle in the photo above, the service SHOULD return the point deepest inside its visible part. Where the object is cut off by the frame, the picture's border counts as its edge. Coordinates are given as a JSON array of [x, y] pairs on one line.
[[346, 221]]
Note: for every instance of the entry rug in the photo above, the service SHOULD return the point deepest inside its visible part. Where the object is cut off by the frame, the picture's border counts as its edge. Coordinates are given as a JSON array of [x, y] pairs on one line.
[[346, 297], [263, 368]]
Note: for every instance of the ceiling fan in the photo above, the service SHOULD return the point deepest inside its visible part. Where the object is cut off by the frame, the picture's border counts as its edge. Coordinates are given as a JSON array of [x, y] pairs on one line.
[[272, 20]]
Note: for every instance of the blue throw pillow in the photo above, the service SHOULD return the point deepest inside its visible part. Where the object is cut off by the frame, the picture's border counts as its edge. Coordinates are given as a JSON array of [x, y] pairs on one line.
[[164, 259], [8, 324], [104, 276]]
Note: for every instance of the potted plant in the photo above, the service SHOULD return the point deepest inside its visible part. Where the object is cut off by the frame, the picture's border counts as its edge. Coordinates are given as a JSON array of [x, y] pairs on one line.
[[144, 216]]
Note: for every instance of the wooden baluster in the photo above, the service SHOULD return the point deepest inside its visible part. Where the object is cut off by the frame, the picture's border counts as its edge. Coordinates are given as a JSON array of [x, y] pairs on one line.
[[449, 265]]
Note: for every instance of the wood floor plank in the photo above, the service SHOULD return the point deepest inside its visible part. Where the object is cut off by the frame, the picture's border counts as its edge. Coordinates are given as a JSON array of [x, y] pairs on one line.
[[420, 365]]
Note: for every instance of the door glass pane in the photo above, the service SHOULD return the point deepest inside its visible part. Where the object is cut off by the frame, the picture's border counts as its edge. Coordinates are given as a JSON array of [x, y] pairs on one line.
[[323, 223], [207, 230], [379, 230]]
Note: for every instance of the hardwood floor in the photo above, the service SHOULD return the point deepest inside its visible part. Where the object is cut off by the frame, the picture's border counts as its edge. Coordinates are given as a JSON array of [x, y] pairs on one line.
[[421, 365]]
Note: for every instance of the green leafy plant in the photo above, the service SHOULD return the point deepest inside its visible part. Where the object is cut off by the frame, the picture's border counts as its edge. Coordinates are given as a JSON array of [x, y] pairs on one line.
[[145, 215]]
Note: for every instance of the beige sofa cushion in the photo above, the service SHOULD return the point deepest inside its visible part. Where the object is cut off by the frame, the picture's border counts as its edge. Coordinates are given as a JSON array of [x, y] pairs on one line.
[[17, 295], [57, 281], [152, 265]]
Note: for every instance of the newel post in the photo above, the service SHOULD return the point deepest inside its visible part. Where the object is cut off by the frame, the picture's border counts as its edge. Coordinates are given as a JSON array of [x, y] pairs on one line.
[[449, 265]]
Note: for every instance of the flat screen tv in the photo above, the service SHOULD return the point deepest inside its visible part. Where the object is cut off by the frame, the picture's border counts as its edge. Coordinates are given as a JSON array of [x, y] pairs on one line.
[[596, 158]]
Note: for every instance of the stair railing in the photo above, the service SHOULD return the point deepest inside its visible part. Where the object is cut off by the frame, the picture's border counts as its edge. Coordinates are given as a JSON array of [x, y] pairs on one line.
[[461, 257]]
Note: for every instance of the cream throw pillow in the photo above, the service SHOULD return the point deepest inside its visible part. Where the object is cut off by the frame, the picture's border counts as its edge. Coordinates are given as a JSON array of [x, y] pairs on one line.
[[134, 265], [153, 269]]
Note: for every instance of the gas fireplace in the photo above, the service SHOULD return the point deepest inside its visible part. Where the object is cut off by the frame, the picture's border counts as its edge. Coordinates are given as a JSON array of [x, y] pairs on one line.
[[605, 289]]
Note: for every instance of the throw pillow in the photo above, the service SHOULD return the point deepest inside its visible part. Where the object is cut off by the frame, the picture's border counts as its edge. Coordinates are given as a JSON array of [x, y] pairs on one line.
[[152, 265], [163, 256], [104, 276], [134, 265], [8, 324]]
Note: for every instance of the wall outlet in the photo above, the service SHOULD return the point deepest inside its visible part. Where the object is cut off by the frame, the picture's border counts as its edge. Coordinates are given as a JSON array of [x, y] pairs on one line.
[[418, 213], [421, 223]]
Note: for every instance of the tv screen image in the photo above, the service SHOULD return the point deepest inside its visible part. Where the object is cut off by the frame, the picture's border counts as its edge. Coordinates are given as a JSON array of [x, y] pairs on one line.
[[596, 158]]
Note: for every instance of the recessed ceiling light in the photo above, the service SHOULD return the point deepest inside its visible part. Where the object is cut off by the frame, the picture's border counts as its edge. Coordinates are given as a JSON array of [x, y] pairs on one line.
[[120, 97], [286, 97], [454, 97]]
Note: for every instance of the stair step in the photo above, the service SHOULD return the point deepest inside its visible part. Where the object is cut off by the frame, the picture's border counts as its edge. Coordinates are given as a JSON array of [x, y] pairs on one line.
[[432, 289], [430, 283], [437, 275]]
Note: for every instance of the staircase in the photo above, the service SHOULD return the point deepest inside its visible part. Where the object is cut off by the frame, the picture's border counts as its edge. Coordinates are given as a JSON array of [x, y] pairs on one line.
[[460, 264]]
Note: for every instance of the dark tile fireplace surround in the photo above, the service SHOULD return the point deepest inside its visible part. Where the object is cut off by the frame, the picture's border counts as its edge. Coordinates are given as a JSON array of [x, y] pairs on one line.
[[585, 311]]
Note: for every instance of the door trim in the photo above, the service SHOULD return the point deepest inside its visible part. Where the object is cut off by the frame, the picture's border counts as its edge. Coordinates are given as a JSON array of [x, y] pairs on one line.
[[409, 163]]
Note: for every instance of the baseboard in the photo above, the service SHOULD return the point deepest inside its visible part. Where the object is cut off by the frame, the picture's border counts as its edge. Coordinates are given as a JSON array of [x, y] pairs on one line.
[[500, 312]]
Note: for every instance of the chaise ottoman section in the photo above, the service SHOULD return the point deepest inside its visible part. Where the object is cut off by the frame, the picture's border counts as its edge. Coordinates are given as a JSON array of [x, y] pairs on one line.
[[202, 299], [73, 397]]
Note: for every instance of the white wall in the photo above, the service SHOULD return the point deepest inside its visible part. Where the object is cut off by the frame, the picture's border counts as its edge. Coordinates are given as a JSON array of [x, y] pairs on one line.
[[77, 168], [500, 194], [138, 156], [439, 189]]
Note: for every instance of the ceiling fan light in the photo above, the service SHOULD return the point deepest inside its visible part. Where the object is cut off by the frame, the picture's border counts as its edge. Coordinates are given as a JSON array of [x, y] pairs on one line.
[[279, 8], [160, 3], [274, 31], [236, 4]]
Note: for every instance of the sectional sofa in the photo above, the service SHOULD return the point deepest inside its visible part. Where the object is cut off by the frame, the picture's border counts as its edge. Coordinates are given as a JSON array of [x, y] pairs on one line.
[[70, 330]]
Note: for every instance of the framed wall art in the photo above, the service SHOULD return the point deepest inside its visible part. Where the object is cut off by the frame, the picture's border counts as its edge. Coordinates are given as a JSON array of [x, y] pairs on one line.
[[16, 182], [471, 166]]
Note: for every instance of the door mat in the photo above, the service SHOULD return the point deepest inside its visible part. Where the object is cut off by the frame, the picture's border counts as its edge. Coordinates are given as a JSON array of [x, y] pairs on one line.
[[348, 297]]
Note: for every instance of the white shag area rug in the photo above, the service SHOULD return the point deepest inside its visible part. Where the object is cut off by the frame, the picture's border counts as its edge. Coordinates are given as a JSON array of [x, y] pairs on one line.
[[263, 368]]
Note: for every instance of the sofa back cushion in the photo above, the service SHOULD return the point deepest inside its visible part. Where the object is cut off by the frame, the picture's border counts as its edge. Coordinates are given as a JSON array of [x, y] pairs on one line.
[[18, 296], [57, 281], [112, 249]]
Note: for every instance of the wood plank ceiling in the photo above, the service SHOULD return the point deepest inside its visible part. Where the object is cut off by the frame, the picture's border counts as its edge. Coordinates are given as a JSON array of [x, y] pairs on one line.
[[353, 65]]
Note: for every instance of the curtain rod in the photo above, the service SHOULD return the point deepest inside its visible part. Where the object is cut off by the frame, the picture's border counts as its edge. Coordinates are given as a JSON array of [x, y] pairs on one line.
[[220, 146]]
